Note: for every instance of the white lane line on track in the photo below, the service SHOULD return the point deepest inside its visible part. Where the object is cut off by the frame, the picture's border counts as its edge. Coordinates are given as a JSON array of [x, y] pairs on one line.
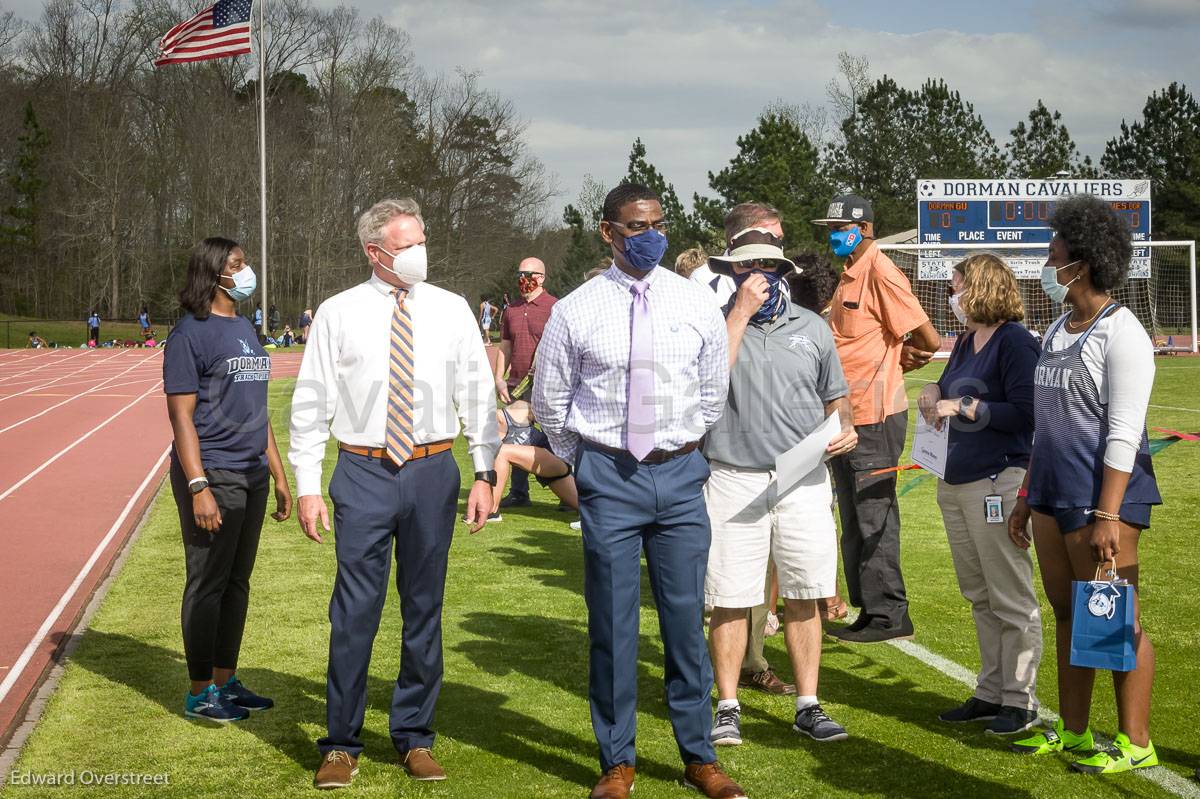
[[9, 491], [74, 397], [74, 373], [27, 654], [46, 362], [1175, 408], [1159, 775]]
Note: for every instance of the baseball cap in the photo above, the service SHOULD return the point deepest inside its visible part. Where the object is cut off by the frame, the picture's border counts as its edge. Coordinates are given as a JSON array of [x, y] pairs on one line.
[[847, 208]]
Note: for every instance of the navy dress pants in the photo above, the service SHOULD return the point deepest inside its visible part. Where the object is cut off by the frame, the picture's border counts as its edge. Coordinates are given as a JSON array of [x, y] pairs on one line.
[[627, 508], [377, 504]]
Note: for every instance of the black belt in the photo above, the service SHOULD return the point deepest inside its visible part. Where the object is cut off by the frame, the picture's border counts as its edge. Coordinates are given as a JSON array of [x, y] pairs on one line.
[[655, 455]]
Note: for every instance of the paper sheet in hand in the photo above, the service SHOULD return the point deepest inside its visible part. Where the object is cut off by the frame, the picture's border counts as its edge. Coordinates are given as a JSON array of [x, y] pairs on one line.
[[798, 462], [930, 445]]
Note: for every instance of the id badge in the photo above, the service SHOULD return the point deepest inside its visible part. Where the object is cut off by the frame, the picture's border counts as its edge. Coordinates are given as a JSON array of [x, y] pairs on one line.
[[993, 509]]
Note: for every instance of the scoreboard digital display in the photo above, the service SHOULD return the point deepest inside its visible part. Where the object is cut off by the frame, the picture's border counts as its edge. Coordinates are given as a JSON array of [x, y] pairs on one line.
[[956, 212]]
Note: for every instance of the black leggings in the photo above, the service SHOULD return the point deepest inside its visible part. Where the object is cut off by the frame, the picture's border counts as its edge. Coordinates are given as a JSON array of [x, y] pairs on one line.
[[217, 592]]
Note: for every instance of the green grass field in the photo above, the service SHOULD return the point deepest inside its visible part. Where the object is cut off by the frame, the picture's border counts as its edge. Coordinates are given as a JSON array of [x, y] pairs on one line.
[[513, 716]]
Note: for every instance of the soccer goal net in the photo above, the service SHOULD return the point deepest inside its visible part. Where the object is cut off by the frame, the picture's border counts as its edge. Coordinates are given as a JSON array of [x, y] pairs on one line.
[[1161, 289]]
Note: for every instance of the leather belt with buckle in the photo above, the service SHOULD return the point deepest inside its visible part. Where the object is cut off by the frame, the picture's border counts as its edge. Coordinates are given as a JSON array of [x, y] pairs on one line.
[[655, 455], [419, 451]]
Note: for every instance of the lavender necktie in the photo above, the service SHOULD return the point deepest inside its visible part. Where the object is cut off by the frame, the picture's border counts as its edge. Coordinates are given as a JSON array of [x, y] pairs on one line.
[[639, 432]]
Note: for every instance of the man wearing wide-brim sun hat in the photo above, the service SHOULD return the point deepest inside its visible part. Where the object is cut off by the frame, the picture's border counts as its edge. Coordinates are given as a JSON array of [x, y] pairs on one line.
[[785, 379]]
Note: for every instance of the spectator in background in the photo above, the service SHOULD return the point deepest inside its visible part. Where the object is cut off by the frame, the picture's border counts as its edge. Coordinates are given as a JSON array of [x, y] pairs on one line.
[[287, 339], [873, 315], [813, 289], [1091, 484], [689, 261], [985, 394], [814, 286], [303, 324], [273, 319], [144, 320], [487, 312], [93, 323], [37, 342], [258, 319], [520, 333]]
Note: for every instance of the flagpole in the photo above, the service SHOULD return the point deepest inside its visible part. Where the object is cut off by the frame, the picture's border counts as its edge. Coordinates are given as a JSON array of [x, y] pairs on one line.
[[262, 158]]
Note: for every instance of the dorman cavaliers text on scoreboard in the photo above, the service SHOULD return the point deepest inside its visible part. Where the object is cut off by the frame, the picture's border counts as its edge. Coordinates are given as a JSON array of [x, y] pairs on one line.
[[1013, 212]]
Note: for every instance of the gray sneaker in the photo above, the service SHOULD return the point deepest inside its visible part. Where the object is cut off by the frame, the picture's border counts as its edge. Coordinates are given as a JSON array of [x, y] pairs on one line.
[[727, 727], [816, 724]]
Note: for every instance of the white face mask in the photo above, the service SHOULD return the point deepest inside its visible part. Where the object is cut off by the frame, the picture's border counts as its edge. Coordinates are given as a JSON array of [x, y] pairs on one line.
[[410, 266], [956, 307]]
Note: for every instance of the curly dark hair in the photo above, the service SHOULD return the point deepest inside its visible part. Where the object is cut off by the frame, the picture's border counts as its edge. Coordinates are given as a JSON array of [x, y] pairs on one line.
[[205, 265], [813, 288], [1097, 235]]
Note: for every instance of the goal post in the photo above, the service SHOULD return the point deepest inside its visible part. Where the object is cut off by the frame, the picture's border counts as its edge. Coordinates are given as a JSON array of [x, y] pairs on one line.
[[1162, 296]]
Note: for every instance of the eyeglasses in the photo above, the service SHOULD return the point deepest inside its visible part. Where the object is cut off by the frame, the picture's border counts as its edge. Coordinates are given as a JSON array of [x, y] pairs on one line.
[[530, 274], [641, 227]]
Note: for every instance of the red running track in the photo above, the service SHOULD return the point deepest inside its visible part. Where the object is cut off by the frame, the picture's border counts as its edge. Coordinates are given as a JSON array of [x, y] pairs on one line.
[[84, 439]]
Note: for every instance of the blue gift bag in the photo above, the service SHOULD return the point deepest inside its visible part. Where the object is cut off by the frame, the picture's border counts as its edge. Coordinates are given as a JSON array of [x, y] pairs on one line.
[[1102, 624]]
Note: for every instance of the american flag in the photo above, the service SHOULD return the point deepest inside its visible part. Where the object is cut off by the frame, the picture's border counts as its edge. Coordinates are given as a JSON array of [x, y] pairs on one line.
[[216, 32]]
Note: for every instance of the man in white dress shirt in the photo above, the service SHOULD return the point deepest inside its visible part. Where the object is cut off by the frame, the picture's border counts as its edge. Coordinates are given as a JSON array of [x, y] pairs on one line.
[[392, 367], [633, 367]]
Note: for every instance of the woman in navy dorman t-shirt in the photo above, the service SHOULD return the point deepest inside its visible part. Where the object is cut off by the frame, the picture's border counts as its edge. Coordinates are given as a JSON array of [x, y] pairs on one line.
[[215, 376]]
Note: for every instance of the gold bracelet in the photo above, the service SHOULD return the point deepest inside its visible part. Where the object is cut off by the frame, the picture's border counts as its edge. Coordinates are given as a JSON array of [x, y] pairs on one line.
[[1106, 516]]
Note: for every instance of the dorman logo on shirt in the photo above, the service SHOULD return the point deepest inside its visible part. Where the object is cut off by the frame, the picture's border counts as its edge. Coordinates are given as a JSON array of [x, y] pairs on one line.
[[799, 340], [248, 367]]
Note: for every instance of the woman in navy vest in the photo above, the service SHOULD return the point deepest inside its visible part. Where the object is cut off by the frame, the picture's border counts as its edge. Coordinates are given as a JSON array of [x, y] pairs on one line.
[[1090, 484], [215, 376]]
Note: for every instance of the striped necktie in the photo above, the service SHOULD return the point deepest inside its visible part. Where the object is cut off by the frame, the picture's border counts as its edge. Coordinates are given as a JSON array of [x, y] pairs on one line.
[[400, 382]]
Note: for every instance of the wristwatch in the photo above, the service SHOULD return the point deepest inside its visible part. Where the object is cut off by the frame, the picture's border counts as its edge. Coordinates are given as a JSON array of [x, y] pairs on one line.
[[964, 405], [488, 477], [198, 485]]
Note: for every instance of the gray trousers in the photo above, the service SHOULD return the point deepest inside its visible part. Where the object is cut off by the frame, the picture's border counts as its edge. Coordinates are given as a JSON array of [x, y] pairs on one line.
[[996, 577]]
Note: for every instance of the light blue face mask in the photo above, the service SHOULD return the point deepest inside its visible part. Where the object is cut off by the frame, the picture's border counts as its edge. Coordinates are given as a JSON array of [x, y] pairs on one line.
[[843, 242], [1057, 292], [244, 284]]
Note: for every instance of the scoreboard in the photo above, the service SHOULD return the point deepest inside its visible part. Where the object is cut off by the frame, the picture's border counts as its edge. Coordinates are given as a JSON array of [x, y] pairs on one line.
[[957, 212]]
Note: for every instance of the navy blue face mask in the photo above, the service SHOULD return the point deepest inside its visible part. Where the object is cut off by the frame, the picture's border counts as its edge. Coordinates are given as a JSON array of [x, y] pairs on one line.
[[773, 305], [644, 251]]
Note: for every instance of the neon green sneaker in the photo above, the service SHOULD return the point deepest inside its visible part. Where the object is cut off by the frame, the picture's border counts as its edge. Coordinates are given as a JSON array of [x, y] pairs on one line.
[[1058, 739], [1120, 756]]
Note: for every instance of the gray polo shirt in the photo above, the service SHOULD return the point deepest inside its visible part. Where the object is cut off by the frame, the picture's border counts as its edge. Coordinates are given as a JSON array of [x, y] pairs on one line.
[[786, 372]]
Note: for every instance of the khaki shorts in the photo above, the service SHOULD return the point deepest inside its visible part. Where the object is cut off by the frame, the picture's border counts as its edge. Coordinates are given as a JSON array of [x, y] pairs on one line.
[[752, 525]]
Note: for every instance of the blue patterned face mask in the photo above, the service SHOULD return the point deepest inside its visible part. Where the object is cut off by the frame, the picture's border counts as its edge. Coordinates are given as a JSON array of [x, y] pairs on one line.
[[773, 305], [843, 242]]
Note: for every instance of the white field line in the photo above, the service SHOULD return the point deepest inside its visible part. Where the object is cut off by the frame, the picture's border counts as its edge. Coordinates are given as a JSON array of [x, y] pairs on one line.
[[74, 373], [74, 397], [48, 362], [27, 654], [1160, 776], [9, 491], [1175, 408]]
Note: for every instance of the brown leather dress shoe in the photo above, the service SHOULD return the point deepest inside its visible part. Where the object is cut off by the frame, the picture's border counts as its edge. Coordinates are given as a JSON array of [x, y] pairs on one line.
[[420, 765], [616, 783], [710, 780], [767, 682], [337, 770]]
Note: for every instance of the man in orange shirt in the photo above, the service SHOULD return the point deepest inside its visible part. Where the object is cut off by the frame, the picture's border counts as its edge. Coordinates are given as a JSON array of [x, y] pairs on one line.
[[880, 331]]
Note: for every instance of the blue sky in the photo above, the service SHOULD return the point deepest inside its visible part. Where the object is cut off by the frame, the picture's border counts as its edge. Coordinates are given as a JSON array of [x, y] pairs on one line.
[[689, 76]]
